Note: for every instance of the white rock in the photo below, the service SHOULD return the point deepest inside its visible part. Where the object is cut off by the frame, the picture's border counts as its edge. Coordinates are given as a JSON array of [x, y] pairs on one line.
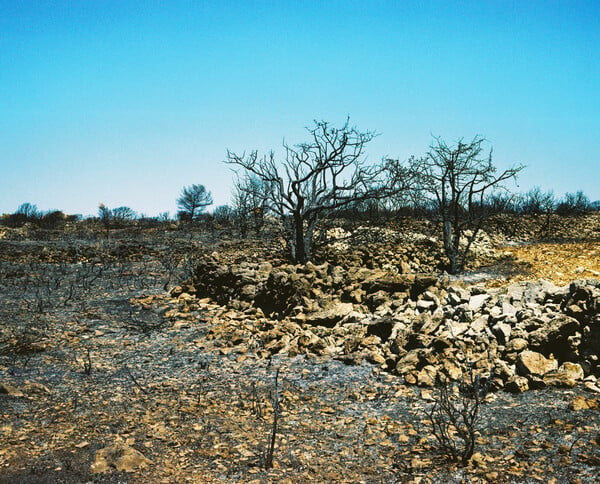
[[476, 302]]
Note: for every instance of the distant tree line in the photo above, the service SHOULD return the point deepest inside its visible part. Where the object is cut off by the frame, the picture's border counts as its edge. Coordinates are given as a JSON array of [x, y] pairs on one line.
[[327, 177], [29, 213]]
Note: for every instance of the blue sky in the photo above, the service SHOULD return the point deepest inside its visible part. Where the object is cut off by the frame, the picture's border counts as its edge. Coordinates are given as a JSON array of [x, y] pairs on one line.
[[125, 102]]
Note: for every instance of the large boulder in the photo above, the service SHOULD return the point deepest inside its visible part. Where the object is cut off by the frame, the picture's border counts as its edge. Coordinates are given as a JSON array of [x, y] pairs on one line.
[[555, 337], [331, 316], [566, 376], [282, 292], [535, 364]]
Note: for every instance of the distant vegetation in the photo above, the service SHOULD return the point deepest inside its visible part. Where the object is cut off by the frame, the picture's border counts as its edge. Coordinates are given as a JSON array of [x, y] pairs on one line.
[[326, 178]]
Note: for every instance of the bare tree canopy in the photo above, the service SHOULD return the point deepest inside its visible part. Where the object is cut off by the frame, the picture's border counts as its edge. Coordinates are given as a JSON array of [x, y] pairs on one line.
[[28, 210], [535, 201], [314, 179], [574, 203], [192, 201], [456, 179], [251, 202]]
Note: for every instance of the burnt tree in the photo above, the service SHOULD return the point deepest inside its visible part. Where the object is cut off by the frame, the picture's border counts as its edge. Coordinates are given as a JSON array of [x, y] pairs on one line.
[[315, 179], [455, 180]]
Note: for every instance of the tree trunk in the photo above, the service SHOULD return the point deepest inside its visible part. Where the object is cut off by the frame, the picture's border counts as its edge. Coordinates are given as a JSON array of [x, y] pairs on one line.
[[450, 239], [299, 255]]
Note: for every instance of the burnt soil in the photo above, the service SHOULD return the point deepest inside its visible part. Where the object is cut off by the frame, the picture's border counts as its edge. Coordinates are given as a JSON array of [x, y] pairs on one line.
[[94, 351]]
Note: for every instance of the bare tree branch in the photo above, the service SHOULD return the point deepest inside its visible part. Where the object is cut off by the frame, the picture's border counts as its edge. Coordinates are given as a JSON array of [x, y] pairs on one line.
[[456, 179], [316, 178]]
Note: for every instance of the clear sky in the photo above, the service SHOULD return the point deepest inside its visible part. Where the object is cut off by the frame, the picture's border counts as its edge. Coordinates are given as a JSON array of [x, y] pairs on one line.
[[125, 102]]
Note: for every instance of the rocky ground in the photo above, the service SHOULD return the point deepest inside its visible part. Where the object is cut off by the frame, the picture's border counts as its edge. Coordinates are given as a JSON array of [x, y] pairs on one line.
[[107, 377]]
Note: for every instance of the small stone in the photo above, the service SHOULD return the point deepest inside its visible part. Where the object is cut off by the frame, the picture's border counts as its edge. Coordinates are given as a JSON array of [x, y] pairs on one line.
[[591, 387], [9, 390], [582, 403], [516, 344]]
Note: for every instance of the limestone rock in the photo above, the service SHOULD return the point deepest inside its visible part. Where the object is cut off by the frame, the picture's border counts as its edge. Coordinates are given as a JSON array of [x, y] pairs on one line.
[[477, 301], [119, 456], [533, 363], [426, 377], [331, 316], [566, 376], [582, 403], [516, 344], [9, 390], [517, 384]]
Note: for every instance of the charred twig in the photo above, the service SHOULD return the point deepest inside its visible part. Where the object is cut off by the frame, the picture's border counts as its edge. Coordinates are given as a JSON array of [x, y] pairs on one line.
[[455, 416], [271, 444], [87, 363], [134, 380]]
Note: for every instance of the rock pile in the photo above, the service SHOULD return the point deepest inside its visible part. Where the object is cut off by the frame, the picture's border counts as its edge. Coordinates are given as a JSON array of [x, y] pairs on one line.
[[527, 335], [299, 289], [541, 227]]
